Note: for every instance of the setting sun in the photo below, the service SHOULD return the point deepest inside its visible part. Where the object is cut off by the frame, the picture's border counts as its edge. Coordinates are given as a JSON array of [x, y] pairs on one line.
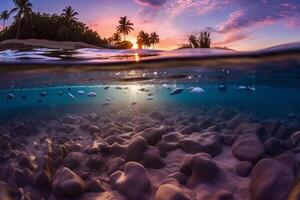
[[133, 41]]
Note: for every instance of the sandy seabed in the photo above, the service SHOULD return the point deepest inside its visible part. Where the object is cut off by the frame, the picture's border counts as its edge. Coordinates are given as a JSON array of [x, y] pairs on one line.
[[170, 153]]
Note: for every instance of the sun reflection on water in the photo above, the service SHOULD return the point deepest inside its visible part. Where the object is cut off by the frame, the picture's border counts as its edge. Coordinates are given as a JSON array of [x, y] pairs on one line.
[[136, 56]]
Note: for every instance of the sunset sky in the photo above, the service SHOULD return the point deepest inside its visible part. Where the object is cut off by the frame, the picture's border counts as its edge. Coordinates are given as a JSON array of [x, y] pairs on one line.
[[238, 24]]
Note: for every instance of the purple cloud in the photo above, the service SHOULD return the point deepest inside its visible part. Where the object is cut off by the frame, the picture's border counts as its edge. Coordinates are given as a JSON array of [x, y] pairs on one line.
[[155, 3], [232, 38], [261, 12]]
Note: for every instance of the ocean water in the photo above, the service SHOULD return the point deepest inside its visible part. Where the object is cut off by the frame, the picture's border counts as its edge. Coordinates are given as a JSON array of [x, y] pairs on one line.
[[87, 116], [47, 79]]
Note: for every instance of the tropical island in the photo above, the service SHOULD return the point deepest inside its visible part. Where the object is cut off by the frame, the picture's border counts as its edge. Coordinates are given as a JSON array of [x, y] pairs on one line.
[[35, 29], [28, 24]]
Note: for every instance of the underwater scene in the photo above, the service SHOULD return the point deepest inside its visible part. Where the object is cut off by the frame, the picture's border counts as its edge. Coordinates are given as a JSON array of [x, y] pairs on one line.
[[145, 124]]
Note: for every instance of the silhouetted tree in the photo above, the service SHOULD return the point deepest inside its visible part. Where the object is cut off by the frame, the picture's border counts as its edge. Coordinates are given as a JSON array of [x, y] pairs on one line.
[[154, 39], [24, 10], [201, 41], [69, 14], [204, 39], [193, 41], [139, 42], [125, 26], [4, 16], [144, 39], [53, 27], [116, 38]]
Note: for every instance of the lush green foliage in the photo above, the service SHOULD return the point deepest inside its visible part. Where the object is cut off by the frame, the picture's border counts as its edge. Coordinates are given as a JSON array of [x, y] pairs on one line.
[[52, 27]]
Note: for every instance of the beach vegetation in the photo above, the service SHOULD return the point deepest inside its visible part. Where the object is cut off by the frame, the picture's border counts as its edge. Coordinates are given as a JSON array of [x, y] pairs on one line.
[[143, 40], [4, 16], [28, 24], [52, 27], [154, 39], [202, 40], [23, 10], [125, 27]]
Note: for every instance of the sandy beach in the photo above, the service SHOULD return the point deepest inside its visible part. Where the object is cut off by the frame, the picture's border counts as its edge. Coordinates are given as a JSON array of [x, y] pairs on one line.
[[39, 43]]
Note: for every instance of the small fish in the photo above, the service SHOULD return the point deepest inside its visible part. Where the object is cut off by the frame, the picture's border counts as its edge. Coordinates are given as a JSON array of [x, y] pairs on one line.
[[142, 90], [196, 89], [119, 88], [24, 97], [10, 97], [246, 88], [222, 88], [92, 94], [39, 100], [251, 89], [150, 98], [105, 104], [81, 92], [43, 94], [108, 98], [61, 93], [150, 94], [133, 103], [177, 91], [242, 87], [106, 88], [69, 88], [71, 95]]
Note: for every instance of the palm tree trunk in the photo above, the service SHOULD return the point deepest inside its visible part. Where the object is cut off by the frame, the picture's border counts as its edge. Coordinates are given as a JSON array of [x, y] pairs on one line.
[[3, 24], [124, 37], [19, 26]]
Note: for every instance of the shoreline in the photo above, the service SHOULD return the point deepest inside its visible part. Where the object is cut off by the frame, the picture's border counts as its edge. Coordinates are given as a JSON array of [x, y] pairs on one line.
[[28, 44]]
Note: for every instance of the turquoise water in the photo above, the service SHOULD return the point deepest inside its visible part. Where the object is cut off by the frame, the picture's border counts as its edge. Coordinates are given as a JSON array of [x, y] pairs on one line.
[[262, 86], [106, 118]]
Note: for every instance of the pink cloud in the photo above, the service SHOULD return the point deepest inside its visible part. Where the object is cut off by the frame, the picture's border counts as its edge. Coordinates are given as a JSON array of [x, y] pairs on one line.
[[264, 12], [231, 38]]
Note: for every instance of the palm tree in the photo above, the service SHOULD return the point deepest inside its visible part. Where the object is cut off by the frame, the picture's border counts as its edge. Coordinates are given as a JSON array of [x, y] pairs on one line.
[[204, 39], [4, 16], [69, 14], [139, 42], [23, 9], [144, 39], [154, 38], [193, 41], [125, 26]]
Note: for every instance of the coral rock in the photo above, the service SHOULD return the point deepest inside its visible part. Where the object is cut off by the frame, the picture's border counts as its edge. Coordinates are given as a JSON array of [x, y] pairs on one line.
[[243, 168], [200, 168], [248, 148], [271, 179], [133, 183], [202, 142], [67, 184], [170, 192]]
